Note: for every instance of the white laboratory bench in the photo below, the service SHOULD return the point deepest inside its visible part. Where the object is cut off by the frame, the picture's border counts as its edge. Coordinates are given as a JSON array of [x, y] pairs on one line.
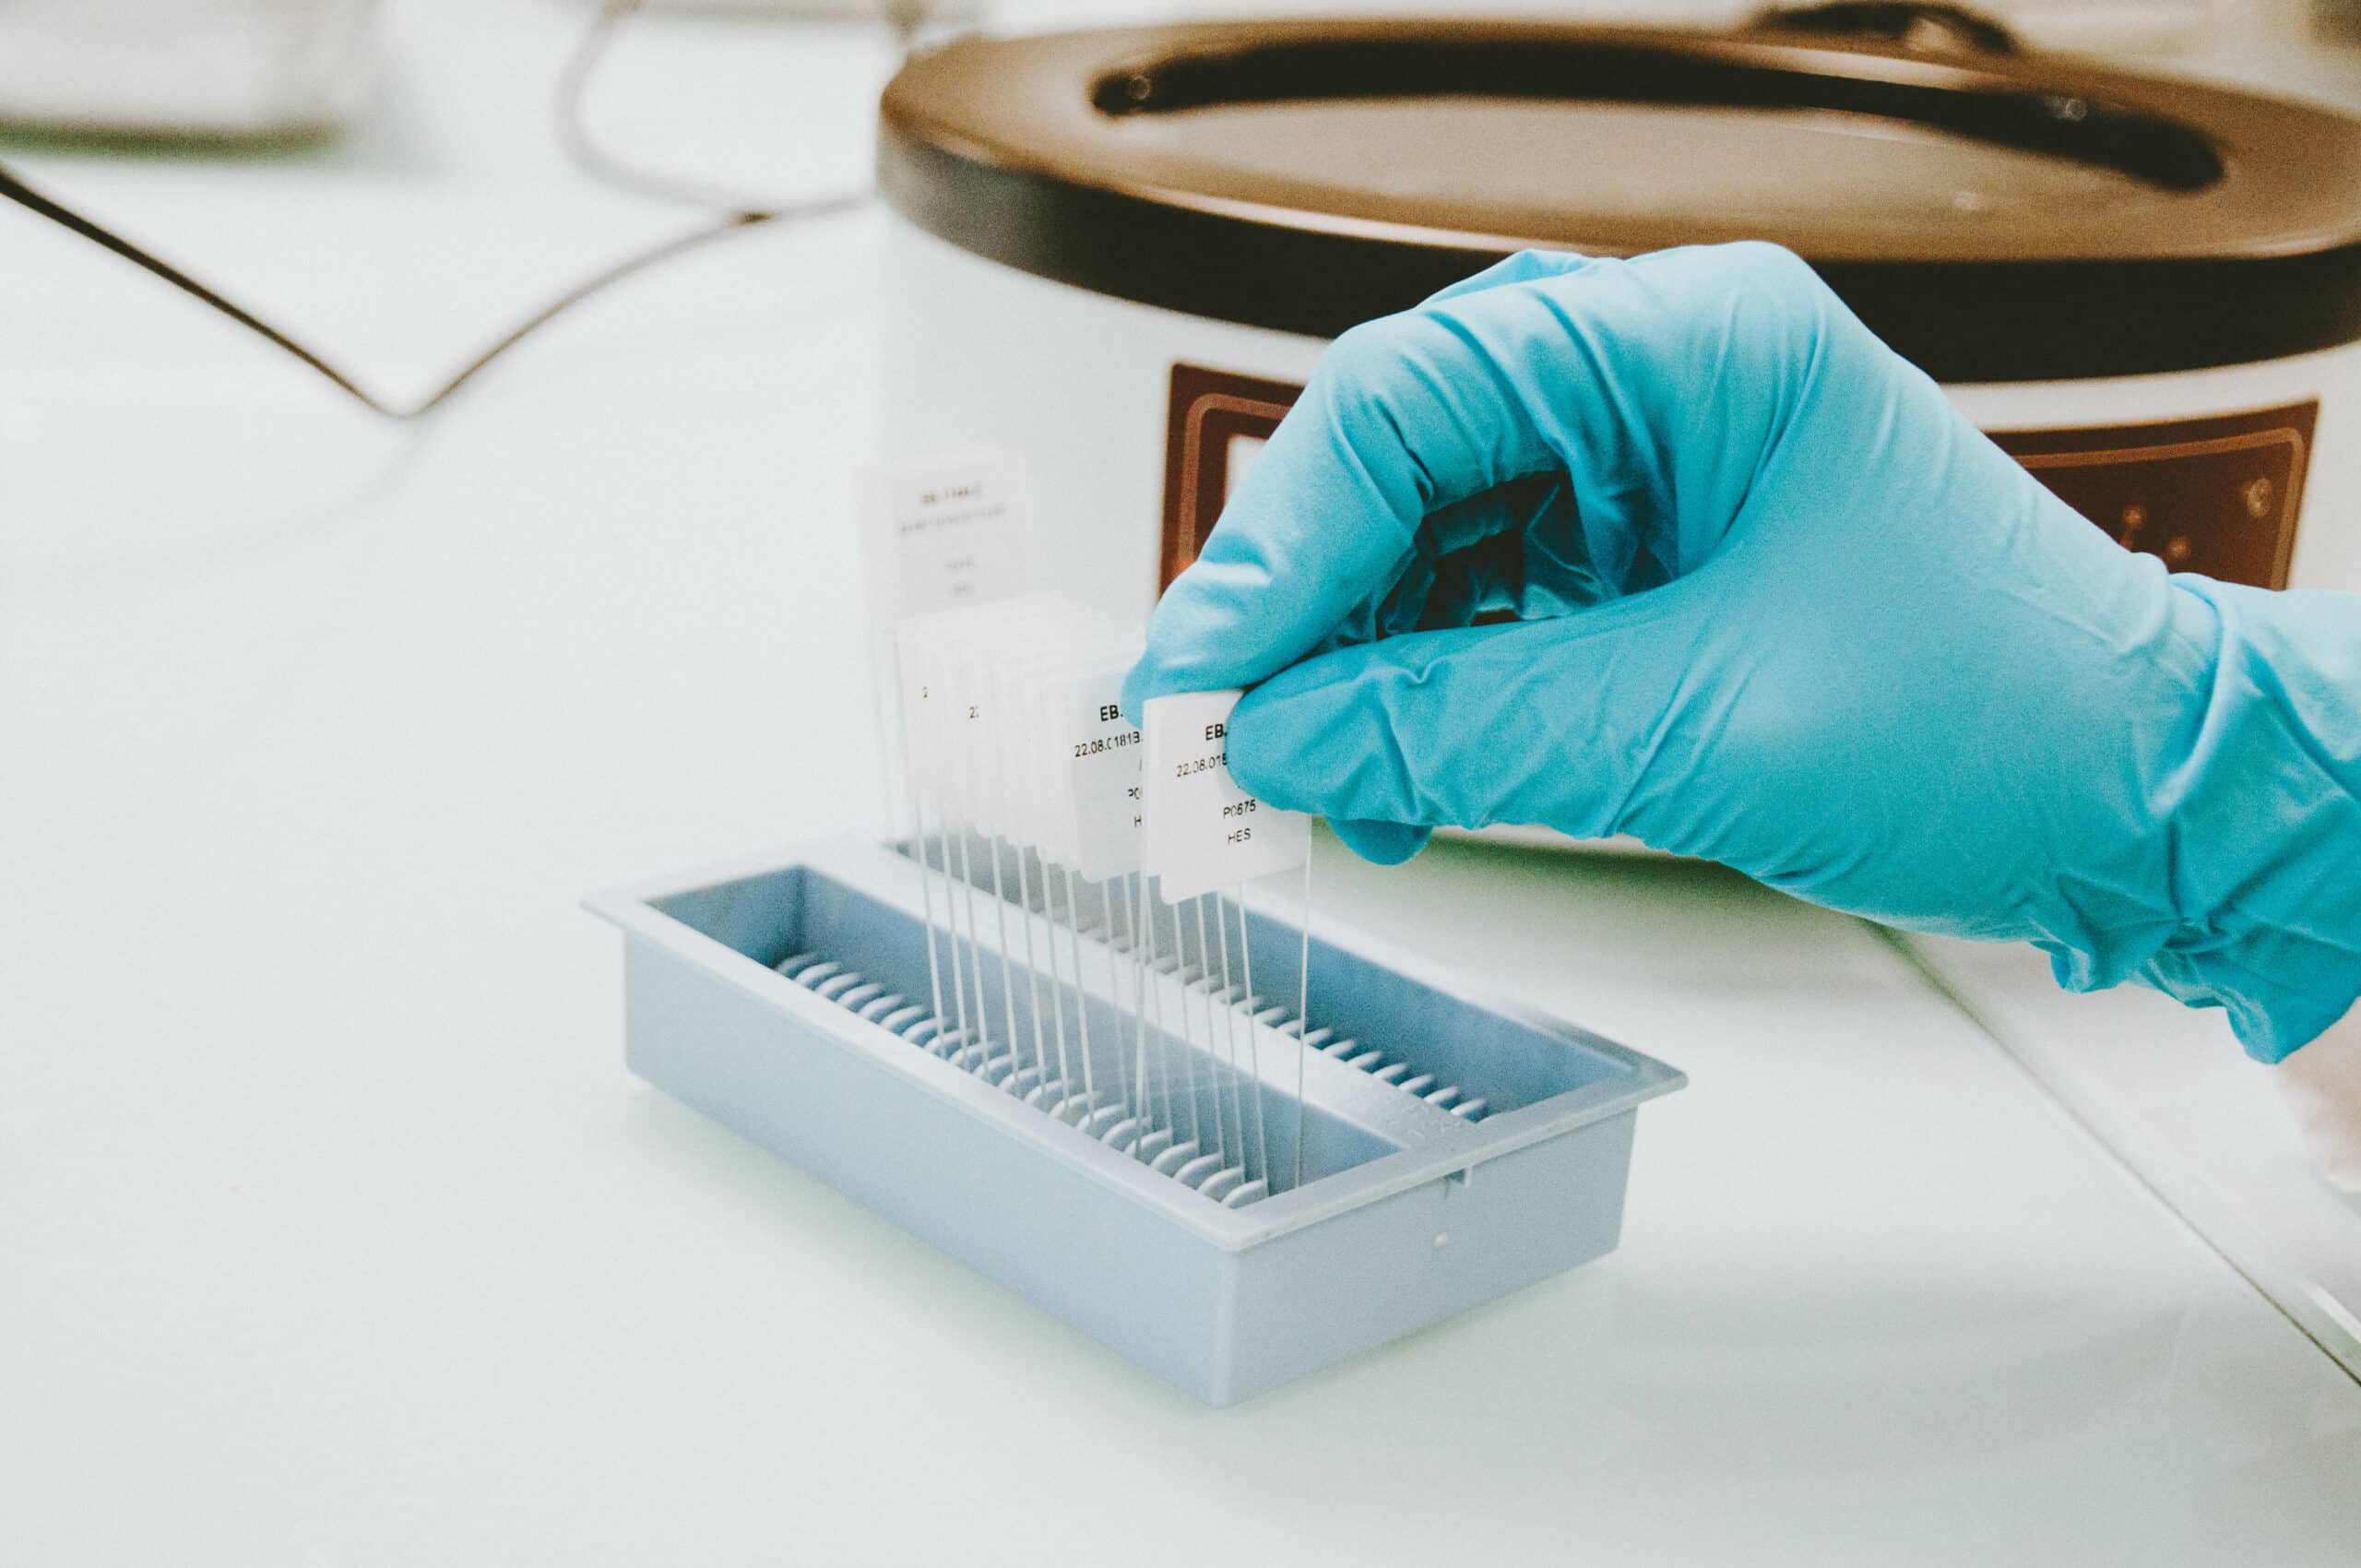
[[332, 1231]]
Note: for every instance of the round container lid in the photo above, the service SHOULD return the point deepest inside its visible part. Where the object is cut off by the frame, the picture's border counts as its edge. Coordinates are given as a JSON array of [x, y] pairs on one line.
[[1993, 217]]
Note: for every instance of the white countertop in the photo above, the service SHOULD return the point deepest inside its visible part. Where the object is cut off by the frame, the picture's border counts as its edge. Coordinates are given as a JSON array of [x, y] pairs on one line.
[[332, 1231], [2200, 1123]]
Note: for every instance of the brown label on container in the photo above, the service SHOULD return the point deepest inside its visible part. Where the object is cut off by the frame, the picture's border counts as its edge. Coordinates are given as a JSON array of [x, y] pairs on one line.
[[2217, 495], [1215, 422]]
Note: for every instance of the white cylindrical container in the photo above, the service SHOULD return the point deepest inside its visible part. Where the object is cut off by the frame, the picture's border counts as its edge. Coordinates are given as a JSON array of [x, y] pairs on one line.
[[1120, 254]]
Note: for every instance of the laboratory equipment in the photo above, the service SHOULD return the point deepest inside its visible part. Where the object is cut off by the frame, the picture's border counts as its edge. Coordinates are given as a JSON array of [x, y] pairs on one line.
[[777, 998], [78, 90], [1120, 254], [1057, 1029]]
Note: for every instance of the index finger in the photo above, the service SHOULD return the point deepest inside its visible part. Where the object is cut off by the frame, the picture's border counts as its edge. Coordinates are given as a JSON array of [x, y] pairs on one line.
[[1595, 368], [1395, 421]]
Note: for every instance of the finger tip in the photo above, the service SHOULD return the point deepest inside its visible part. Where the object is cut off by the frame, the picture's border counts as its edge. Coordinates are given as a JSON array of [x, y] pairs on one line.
[[1380, 843]]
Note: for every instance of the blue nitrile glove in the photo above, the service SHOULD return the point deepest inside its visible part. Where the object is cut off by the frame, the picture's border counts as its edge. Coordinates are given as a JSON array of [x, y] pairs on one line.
[[1779, 606]]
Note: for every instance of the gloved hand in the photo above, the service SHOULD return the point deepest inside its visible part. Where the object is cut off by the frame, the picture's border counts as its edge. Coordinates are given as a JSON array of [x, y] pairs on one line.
[[1776, 604]]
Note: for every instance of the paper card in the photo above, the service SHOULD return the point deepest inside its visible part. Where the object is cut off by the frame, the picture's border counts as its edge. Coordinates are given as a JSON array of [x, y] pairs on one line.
[[1102, 752], [1199, 831], [943, 660], [983, 642], [945, 532], [1045, 771], [1025, 681]]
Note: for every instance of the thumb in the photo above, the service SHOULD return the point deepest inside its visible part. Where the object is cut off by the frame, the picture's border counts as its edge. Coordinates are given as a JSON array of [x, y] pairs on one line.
[[1381, 843], [1550, 722]]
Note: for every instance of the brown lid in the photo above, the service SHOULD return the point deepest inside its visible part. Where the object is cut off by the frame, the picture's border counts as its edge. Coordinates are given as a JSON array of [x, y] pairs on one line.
[[1993, 217]]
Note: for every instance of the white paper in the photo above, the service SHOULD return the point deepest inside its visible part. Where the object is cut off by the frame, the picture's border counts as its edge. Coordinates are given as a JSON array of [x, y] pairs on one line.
[[1102, 755], [945, 661], [1198, 830], [946, 532]]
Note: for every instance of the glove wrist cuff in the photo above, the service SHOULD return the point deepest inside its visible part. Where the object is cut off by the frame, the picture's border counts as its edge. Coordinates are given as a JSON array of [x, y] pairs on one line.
[[2263, 841]]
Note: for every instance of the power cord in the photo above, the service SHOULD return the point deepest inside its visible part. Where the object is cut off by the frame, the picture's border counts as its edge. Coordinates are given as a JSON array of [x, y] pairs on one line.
[[738, 216], [584, 149]]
